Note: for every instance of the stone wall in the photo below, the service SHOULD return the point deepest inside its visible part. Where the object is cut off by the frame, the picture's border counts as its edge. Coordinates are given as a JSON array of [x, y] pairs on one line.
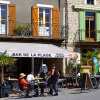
[[73, 19]]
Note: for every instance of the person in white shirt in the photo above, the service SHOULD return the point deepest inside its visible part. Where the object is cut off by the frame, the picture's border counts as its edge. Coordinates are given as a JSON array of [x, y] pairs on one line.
[[30, 77]]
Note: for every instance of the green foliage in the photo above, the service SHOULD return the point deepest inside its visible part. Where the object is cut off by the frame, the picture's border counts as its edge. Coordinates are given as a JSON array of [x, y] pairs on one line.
[[21, 28], [6, 60], [86, 58]]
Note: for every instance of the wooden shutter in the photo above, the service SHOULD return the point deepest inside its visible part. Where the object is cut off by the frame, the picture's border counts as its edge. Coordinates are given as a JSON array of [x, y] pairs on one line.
[[11, 19], [55, 23], [82, 25], [34, 15], [98, 26]]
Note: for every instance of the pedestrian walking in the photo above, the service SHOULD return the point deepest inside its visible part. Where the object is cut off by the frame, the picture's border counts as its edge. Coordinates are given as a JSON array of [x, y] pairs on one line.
[[53, 81], [43, 75]]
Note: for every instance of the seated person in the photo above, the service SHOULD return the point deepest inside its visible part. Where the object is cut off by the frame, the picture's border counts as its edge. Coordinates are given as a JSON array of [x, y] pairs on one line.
[[23, 83], [30, 78]]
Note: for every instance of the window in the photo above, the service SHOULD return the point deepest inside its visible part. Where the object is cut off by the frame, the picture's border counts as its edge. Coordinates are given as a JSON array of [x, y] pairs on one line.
[[90, 2], [90, 25], [3, 18], [44, 21]]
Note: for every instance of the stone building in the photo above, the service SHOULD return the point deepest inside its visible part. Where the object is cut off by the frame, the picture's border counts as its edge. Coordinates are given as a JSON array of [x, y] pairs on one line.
[[83, 25]]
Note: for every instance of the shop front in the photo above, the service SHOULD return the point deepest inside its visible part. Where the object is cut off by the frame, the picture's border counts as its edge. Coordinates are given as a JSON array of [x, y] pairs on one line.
[[31, 56]]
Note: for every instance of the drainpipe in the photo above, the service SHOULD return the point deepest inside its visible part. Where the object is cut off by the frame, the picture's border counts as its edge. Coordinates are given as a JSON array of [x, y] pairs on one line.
[[66, 23], [66, 35], [59, 4]]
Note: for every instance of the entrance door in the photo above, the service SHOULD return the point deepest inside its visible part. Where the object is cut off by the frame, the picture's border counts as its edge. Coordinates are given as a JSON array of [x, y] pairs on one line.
[[44, 21], [24, 65]]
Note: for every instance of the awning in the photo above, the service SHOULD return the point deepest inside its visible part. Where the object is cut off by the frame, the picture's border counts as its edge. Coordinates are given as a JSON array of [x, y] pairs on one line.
[[36, 50]]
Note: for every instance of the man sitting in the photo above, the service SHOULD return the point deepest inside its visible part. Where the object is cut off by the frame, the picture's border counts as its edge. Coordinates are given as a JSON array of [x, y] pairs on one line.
[[23, 83]]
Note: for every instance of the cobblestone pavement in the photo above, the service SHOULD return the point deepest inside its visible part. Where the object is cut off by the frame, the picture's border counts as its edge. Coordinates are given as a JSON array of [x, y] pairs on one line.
[[64, 94]]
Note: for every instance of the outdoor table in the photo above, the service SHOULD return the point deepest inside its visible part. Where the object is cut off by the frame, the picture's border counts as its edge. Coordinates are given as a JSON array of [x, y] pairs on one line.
[[38, 78], [13, 82], [39, 84]]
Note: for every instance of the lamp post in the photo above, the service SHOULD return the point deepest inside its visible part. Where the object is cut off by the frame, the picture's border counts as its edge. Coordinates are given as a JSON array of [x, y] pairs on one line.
[[75, 58]]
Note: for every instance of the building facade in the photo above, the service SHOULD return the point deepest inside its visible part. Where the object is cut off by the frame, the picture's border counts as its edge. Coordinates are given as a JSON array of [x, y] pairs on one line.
[[28, 23], [82, 24], [73, 24]]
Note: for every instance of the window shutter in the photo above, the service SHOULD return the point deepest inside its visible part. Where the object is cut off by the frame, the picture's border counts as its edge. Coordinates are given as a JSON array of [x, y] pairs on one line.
[[82, 25], [55, 23], [11, 19], [98, 26], [34, 15]]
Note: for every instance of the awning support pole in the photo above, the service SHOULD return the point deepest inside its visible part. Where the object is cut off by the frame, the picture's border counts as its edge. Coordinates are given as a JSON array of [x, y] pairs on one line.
[[32, 65], [64, 66]]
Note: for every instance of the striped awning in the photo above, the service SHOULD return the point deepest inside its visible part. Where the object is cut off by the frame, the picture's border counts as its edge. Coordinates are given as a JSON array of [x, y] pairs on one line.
[[36, 50]]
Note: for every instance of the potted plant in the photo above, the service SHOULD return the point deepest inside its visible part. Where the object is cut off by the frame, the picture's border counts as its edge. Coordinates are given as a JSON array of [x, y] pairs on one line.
[[4, 61]]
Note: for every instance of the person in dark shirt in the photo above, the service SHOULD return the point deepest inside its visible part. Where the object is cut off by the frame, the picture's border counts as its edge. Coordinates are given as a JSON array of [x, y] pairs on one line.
[[43, 74], [53, 81]]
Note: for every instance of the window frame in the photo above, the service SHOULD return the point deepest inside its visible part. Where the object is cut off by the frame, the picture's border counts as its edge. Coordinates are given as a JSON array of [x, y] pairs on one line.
[[90, 20], [90, 4], [5, 20], [44, 13]]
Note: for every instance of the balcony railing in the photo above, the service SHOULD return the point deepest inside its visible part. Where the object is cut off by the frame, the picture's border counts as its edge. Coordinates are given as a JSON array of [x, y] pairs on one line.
[[23, 30]]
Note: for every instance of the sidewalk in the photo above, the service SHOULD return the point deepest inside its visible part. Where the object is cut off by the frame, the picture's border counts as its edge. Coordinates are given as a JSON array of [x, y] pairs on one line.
[[64, 94]]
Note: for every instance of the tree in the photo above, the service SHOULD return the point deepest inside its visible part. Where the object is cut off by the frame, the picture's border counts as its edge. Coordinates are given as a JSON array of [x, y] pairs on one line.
[[4, 61]]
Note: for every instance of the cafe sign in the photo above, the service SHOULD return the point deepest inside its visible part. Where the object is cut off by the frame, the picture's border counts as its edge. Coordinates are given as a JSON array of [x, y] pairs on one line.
[[36, 55]]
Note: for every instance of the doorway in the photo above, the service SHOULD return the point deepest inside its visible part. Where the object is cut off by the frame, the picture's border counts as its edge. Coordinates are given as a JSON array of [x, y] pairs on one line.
[[24, 65]]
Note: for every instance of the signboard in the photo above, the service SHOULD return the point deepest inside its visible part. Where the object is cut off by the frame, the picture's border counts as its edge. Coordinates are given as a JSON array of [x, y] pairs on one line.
[[35, 55]]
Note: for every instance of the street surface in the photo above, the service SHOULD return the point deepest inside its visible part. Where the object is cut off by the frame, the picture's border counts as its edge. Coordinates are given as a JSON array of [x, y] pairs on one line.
[[65, 94]]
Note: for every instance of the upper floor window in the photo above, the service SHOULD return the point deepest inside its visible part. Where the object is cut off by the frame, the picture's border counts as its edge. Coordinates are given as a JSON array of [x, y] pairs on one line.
[[3, 18], [90, 25], [44, 20], [90, 2]]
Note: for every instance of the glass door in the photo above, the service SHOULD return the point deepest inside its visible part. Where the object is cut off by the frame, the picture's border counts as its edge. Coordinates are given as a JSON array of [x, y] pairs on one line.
[[44, 21], [90, 26]]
